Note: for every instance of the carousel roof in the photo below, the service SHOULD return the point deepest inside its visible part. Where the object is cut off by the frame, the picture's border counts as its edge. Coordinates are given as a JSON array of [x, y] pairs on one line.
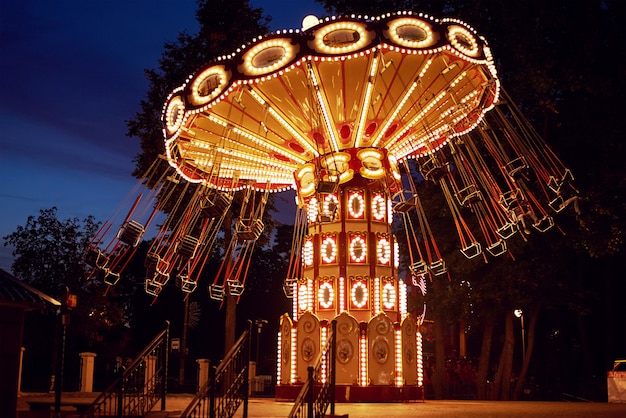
[[402, 82]]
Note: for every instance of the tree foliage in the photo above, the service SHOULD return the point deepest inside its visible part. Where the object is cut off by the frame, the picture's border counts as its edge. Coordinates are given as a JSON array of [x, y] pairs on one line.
[[49, 252]]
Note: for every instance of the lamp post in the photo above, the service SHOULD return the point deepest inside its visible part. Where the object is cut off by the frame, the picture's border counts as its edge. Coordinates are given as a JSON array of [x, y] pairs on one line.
[[69, 302], [520, 314], [259, 325]]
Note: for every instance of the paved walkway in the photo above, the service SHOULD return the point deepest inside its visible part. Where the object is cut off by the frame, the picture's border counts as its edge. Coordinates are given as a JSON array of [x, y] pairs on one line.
[[269, 408]]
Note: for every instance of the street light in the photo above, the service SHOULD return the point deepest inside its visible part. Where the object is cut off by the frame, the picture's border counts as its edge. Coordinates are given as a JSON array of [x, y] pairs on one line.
[[518, 313], [259, 324]]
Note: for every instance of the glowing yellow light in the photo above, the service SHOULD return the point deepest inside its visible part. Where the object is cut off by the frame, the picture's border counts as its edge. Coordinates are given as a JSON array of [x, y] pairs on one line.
[[174, 114], [372, 165], [309, 294], [326, 295], [383, 251], [268, 56], [329, 250], [411, 33], [398, 344], [296, 297], [331, 205], [376, 301], [356, 205], [208, 85], [342, 290], [366, 103], [310, 21], [379, 206], [303, 297], [294, 345], [389, 296], [324, 338], [363, 361], [321, 101], [312, 209], [419, 359], [359, 294], [358, 249], [307, 253], [396, 254], [279, 356], [340, 38], [463, 40], [403, 298]]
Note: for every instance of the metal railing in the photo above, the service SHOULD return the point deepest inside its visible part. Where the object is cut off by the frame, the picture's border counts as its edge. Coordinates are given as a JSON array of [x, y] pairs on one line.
[[227, 386], [318, 393], [140, 386]]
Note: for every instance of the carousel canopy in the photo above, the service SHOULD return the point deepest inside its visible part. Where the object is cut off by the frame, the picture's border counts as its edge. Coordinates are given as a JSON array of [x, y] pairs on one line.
[[404, 82]]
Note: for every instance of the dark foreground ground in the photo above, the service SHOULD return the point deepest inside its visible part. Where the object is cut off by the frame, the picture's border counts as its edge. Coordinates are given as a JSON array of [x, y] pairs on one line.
[[269, 408]]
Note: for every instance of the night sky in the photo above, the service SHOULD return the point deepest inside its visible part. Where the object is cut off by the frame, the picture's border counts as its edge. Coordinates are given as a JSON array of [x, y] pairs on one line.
[[71, 74]]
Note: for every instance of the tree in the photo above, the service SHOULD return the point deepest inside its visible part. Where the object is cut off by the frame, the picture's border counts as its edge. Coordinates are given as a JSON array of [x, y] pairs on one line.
[[49, 255], [49, 252]]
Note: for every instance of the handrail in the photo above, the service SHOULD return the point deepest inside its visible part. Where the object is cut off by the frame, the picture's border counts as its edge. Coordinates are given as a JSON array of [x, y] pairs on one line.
[[140, 385], [227, 386], [308, 404]]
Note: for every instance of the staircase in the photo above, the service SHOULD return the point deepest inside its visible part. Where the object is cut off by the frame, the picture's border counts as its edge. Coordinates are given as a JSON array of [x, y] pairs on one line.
[[140, 386], [227, 386], [318, 392]]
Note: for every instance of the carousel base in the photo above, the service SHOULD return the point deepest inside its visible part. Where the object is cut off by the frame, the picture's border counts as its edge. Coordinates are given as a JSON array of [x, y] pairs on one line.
[[354, 393]]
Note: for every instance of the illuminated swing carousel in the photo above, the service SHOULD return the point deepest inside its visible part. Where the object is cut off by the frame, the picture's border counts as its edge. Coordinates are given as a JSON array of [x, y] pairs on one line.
[[352, 113]]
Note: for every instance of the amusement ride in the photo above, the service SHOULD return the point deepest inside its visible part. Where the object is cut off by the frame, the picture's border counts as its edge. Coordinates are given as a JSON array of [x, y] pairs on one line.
[[352, 113]]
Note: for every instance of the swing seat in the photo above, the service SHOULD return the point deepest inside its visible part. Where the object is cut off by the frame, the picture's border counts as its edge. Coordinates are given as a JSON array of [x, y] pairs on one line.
[[472, 250], [152, 288], [96, 258], [160, 279], [326, 216], [497, 248], [187, 247], [544, 224], [162, 266], [130, 233], [248, 230], [151, 261], [235, 288], [327, 187], [468, 195], [556, 204], [111, 278], [555, 184], [216, 292], [405, 205], [510, 198], [433, 170], [516, 167], [288, 287], [216, 205], [419, 267], [186, 285], [438, 267], [507, 230]]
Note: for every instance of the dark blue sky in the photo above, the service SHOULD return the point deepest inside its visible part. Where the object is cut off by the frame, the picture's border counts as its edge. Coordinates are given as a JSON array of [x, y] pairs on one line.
[[71, 74]]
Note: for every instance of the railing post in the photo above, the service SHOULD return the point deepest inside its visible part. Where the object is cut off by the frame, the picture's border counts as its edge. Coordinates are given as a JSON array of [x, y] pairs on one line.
[[165, 358], [212, 391], [120, 392], [310, 395], [246, 368], [332, 364]]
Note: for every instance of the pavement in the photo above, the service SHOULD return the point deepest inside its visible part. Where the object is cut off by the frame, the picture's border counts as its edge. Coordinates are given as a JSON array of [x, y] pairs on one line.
[[270, 408]]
